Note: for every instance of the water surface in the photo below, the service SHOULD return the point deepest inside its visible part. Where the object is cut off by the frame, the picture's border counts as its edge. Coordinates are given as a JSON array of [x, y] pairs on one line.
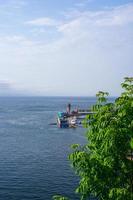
[[33, 154]]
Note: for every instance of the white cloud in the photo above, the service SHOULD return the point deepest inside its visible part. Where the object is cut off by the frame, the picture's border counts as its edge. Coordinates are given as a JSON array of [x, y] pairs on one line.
[[93, 51], [44, 21], [115, 16], [17, 40], [119, 16]]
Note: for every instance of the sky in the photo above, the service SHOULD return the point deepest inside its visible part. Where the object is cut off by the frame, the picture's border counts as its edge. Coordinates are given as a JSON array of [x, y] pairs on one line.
[[65, 47]]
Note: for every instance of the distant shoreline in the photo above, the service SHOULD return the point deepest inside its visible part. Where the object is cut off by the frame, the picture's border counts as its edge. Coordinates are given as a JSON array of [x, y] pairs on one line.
[[52, 96]]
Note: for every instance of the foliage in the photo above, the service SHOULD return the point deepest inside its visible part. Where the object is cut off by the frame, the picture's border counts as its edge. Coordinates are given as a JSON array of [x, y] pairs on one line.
[[104, 165], [58, 197]]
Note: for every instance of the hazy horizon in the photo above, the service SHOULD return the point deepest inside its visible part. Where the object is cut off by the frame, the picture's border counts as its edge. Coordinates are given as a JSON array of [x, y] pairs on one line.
[[65, 48], [50, 96]]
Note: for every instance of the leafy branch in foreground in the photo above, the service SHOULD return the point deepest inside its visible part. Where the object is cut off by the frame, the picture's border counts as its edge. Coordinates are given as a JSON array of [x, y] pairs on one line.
[[58, 197], [105, 164]]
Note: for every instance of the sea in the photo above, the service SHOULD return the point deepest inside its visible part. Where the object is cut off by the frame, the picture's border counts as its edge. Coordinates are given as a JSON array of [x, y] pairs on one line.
[[34, 162]]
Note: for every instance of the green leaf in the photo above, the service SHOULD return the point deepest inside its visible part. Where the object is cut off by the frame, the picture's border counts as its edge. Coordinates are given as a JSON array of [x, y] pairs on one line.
[[58, 197], [131, 143]]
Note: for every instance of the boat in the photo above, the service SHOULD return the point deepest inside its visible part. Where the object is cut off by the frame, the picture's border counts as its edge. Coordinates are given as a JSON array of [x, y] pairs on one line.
[[65, 120], [71, 119], [62, 120]]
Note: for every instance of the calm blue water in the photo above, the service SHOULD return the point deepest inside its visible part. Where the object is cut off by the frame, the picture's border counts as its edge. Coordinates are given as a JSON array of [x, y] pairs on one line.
[[33, 154]]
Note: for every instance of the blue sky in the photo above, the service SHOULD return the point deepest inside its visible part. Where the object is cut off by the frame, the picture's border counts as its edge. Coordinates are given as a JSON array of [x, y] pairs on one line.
[[65, 47]]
